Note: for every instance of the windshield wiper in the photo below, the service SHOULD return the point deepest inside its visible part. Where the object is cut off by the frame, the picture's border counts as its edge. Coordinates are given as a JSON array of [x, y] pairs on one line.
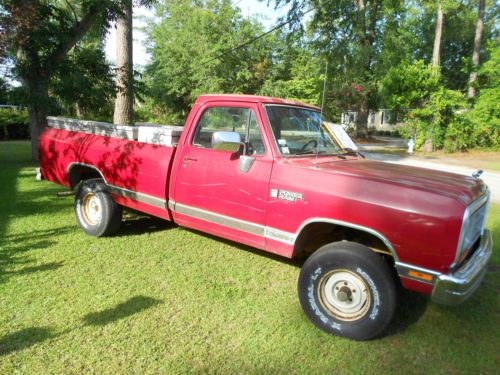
[[313, 152], [350, 151], [322, 152]]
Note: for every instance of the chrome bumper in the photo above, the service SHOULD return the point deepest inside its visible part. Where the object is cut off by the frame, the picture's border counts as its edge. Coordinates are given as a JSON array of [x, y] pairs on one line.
[[454, 288]]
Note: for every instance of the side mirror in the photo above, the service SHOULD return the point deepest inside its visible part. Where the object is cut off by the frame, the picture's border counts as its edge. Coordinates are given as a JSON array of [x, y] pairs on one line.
[[226, 141], [231, 141]]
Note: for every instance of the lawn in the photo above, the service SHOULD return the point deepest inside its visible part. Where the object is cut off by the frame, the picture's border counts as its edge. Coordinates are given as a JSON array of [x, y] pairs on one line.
[[160, 299], [488, 160], [480, 159]]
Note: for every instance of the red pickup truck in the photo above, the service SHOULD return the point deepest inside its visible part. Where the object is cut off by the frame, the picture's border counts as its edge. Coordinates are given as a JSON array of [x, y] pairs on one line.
[[263, 172]]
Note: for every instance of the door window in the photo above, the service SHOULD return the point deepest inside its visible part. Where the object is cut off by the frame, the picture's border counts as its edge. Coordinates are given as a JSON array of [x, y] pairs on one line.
[[230, 119]]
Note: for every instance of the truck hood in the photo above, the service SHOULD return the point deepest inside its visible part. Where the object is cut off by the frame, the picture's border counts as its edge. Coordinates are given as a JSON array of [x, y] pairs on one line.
[[463, 188]]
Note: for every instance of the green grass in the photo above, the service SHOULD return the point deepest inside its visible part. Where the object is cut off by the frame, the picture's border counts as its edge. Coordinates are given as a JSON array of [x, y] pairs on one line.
[[478, 159], [161, 299]]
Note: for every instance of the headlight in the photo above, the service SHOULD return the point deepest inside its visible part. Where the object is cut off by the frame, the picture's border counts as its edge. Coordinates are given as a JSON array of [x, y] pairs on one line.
[[472, 227]]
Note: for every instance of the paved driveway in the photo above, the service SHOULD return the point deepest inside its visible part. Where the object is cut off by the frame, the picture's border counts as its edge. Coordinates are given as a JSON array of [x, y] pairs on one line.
[[492, 179]]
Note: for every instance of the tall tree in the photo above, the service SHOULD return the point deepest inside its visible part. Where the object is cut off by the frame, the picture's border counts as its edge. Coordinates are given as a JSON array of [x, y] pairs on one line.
[[456, 47], [294, 72], [350, 35], [39, 35], [124, 102], [84, 84], [4, 90], [367, 19], [471, 92], [437, 35], [192, 54]]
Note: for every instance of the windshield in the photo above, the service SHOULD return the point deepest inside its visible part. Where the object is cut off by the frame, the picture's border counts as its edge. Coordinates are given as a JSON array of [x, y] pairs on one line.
[[297, 131]]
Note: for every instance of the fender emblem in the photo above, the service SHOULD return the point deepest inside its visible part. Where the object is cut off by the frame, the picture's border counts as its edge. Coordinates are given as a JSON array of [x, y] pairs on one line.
[[286, 195]]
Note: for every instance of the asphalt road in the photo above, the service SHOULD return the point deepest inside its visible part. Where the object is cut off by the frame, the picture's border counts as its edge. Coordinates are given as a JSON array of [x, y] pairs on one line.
[[492, 179]]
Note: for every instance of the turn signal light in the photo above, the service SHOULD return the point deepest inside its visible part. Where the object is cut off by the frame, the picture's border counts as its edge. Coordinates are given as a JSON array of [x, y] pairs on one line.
[[420, 275]]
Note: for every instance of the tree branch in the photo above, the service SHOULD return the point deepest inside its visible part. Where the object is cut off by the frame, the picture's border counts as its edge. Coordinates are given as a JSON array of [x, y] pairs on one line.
[[77, 33], [72, 9]]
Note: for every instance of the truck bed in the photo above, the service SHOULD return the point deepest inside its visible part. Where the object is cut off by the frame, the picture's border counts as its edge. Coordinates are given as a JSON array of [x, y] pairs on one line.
[[136, 173]]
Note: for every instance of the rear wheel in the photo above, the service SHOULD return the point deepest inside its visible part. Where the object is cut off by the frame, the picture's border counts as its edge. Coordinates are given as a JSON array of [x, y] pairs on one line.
[[96, 212], [347, 289]]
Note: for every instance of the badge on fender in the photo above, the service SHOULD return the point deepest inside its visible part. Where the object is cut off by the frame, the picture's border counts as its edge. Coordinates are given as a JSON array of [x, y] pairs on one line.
[[286, 195]]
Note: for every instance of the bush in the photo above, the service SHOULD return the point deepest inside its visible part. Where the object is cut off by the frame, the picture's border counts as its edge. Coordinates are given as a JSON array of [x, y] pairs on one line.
[[14, 124], [440, 121], [408, 86], [485, 118], [459, 134]]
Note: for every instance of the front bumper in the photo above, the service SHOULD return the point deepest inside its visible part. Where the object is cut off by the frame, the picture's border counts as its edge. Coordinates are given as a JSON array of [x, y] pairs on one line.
[[454, 288]]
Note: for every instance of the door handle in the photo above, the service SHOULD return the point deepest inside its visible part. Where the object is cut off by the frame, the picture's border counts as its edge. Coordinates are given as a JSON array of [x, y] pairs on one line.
[[190, 158]]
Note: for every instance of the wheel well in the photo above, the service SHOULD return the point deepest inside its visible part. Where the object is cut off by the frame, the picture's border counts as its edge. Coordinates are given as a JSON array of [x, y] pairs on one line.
[[79, 172], [315, 235]]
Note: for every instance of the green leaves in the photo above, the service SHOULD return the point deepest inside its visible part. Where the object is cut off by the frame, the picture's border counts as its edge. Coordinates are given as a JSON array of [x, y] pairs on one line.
[[13, 124], [409, 85], [84, 83], [190, 56], [485, 116]]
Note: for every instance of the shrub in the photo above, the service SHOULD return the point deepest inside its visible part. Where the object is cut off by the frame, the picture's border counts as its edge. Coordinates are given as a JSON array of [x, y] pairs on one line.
[[459, 134], [14, 124], [408, 86], [485, 118], [440, 121]]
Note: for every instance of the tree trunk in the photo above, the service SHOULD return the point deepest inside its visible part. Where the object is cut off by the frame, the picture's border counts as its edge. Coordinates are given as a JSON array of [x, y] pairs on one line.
[[437, 36], [362, 121], [38, 100], [477, 48], [124, 103], [428, 146], [36, 72], [367, 18]]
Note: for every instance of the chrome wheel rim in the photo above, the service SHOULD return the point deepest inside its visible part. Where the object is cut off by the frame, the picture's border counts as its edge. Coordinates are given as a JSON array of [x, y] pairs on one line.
[[91, 209], [345, 295]]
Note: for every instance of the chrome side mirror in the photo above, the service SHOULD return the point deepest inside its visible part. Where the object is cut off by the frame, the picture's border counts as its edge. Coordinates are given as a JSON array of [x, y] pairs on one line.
[[231, 141], [245, 163], [226, 141]]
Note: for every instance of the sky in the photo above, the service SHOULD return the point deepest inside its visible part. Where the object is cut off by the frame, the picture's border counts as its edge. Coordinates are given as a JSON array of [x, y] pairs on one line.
[[267, 15]]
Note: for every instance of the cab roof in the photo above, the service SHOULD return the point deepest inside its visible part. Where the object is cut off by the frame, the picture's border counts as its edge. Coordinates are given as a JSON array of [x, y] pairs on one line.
[[251, 98]]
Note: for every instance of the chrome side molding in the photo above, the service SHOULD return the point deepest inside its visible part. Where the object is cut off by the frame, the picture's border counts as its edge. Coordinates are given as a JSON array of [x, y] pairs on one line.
[[140, 197]]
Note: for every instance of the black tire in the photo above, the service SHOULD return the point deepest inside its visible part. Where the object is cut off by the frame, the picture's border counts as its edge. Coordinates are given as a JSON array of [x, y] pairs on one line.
[[106, 218], [329, 281]]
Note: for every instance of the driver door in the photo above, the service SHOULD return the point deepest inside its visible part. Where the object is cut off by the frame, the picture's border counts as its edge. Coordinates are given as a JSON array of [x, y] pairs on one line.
[[211, 194]]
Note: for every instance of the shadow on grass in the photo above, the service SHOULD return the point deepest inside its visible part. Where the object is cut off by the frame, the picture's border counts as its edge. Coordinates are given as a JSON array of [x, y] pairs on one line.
[[14, 250], [144, 224], [295, 262], [41, 268], [11, 256], [411, 307], [130, 307], [24, 339], [36, 235]]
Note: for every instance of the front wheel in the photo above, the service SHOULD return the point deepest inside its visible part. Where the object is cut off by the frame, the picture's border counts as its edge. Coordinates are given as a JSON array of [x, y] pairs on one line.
[[347, 289], [96, 212]]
